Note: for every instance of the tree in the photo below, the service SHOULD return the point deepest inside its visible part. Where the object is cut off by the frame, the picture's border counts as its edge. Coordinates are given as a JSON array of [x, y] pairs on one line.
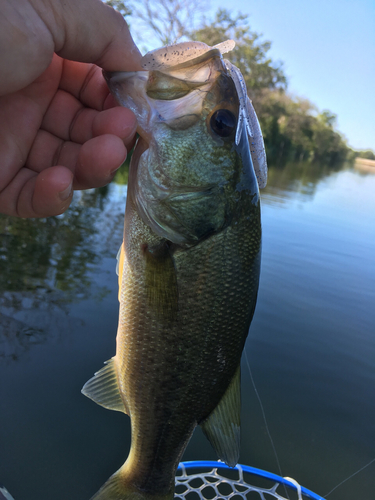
[[120, 6], [250, 54], [168, 20], [294, 130], [329, 119], [368, 154]]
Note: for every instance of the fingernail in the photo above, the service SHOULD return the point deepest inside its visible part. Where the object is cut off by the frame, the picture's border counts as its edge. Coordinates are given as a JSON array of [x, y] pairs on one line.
[[66, 193]]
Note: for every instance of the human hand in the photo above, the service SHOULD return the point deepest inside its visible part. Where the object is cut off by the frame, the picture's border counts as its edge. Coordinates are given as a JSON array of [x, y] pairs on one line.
[[59, 127]]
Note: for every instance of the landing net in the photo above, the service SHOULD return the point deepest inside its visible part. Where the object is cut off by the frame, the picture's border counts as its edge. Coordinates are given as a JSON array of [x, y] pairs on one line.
[[214, 480]]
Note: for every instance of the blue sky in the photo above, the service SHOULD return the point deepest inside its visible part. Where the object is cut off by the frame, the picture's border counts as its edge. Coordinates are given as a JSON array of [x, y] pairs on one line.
[[328, 50]]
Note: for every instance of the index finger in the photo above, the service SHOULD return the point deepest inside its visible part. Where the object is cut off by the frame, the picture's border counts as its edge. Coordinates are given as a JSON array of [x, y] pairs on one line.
[[85, 82]]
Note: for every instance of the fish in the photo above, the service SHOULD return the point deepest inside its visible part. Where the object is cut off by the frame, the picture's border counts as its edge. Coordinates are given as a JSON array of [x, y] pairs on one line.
[[188, 266]]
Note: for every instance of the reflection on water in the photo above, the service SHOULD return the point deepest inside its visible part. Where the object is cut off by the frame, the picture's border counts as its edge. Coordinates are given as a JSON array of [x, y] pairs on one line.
[[53, 253], [311, 345], [296, 180], [47, 263], [27, 319]]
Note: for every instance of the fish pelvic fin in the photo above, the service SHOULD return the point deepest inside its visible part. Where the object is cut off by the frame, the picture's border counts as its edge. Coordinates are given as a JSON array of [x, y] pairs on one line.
[[222, 427], [103, 388], [117, 488]]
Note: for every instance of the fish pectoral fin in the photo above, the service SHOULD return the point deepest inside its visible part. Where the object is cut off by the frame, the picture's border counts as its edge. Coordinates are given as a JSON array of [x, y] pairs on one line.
[[222, 427], [161, 281], [103, 388]]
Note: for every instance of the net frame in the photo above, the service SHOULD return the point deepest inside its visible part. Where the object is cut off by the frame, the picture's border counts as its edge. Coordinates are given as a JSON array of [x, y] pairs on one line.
[[4, 494], [207, 476]]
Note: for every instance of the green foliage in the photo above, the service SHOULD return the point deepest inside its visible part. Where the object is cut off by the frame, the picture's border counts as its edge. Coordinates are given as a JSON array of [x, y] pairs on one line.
[[249, 55], [122, 174], [293, 130], [368, 154]]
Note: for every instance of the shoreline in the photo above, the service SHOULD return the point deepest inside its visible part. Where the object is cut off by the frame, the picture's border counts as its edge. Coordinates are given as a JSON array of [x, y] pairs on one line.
[[365, 165]]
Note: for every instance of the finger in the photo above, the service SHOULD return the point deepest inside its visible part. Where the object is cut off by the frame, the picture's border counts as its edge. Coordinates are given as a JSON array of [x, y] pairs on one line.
[[98, 161], [93, 164], [118, 121], [85, 82], [53, 192], [68, 119], [79, 124], [90, 31], [86, 31], [42, 190], [27, 45], [38, 195], [49, 150], [20, 119]]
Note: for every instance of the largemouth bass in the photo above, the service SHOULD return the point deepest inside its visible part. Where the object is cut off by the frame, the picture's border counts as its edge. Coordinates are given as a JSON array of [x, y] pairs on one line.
[[188, 266]]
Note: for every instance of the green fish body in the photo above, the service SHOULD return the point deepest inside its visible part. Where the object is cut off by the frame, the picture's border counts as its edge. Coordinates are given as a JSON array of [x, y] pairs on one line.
[[188, 267]]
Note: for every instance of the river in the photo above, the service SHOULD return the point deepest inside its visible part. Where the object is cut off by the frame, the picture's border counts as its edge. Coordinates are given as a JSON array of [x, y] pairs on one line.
[[310, 354]]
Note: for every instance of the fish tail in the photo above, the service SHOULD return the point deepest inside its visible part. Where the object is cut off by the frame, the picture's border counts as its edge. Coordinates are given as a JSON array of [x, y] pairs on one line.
[[117, 488]]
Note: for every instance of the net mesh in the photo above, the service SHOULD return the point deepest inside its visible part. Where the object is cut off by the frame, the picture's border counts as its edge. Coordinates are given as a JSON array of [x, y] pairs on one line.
[[216, 481]]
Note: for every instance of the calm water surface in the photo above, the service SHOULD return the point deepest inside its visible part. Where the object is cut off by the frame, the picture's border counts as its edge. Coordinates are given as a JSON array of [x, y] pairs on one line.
[[311, 347]]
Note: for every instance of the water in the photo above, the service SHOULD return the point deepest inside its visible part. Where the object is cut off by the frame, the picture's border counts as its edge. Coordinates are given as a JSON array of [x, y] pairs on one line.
[[311, 346]]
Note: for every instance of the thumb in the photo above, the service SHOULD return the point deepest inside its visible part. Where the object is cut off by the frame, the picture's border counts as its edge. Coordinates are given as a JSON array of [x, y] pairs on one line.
[[90, 31], [81, 30]]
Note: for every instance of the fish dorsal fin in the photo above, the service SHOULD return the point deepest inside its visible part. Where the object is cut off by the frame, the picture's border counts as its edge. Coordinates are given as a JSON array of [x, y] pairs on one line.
[[222, 427], [103, 388]]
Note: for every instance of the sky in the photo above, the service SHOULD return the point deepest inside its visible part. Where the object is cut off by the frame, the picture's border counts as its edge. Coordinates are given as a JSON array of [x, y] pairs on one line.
[[328, 50]]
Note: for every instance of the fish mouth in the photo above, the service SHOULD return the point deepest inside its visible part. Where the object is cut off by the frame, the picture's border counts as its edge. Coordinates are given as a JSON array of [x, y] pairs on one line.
[[129, 90]]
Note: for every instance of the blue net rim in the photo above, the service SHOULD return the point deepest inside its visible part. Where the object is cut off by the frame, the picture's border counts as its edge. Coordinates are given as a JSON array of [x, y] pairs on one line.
[[196, 464]]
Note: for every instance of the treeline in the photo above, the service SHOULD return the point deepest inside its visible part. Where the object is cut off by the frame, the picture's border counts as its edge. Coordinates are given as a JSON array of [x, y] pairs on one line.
[[367, 154], [295, 131], [293, 128]]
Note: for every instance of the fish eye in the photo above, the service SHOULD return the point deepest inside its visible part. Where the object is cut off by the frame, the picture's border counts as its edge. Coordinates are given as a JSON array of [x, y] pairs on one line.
[[223, 122]]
